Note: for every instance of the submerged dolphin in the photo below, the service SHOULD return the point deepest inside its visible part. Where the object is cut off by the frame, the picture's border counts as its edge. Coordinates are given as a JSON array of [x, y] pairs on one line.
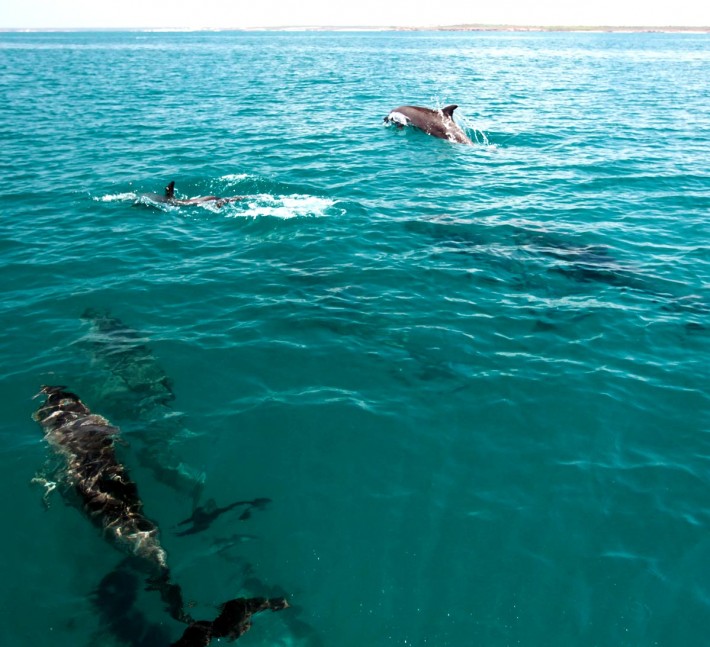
[[168, 197], [93, 473], [439, 123], [137, 383]]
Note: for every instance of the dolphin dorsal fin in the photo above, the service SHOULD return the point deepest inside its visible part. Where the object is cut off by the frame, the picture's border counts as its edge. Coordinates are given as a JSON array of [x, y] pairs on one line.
[[170, 190], [449, 111]]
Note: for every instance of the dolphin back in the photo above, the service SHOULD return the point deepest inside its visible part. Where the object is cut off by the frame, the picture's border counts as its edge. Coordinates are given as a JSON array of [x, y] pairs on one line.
[[108, 495]]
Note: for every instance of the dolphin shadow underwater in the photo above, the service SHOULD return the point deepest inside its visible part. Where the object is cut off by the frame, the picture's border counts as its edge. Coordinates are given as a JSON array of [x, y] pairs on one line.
[[168, 197], [203, 516], [114, 601], [435, 122], [93, 477]]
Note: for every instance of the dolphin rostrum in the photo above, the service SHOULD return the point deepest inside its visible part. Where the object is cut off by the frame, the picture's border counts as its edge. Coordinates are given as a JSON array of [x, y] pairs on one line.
[[437, 122], [94, 475]]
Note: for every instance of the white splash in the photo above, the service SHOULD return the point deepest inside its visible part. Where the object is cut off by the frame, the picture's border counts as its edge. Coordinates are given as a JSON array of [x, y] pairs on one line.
[[475, 134], [116, 197], [285, 206], [235, 177]]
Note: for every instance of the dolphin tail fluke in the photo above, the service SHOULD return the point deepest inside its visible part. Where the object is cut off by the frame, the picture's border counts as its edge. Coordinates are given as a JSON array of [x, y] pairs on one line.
[[449, 111], [233, 621], [170, 190]]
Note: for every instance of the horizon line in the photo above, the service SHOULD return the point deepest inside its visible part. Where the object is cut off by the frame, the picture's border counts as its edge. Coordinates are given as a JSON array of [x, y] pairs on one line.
[[455, 27]]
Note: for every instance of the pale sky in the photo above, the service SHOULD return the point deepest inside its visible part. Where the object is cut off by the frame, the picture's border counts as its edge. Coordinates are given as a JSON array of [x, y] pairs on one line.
[[225, 14]]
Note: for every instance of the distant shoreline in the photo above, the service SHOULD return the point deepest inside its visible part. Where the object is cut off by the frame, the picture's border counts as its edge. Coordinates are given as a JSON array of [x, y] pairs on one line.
[[457, 28], [577, 28]]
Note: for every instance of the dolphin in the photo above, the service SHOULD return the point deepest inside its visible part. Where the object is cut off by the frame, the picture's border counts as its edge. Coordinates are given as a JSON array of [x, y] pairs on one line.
[[102, 484], [137, 383], [168, 197], [439, 123]]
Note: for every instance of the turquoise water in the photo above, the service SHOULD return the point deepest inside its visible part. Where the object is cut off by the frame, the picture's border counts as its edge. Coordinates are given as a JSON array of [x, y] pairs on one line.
[[473, 381]]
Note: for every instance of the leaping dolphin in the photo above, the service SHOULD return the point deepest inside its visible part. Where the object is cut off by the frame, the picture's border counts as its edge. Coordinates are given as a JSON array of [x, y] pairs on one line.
[[439, 122]]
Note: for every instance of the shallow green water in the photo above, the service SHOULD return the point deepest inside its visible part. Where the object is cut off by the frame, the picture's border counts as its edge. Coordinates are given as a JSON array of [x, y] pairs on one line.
[[473, 381]]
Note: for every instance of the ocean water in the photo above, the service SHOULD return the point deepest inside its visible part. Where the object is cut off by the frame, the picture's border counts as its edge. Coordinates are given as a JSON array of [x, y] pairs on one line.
[[472, 380]]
